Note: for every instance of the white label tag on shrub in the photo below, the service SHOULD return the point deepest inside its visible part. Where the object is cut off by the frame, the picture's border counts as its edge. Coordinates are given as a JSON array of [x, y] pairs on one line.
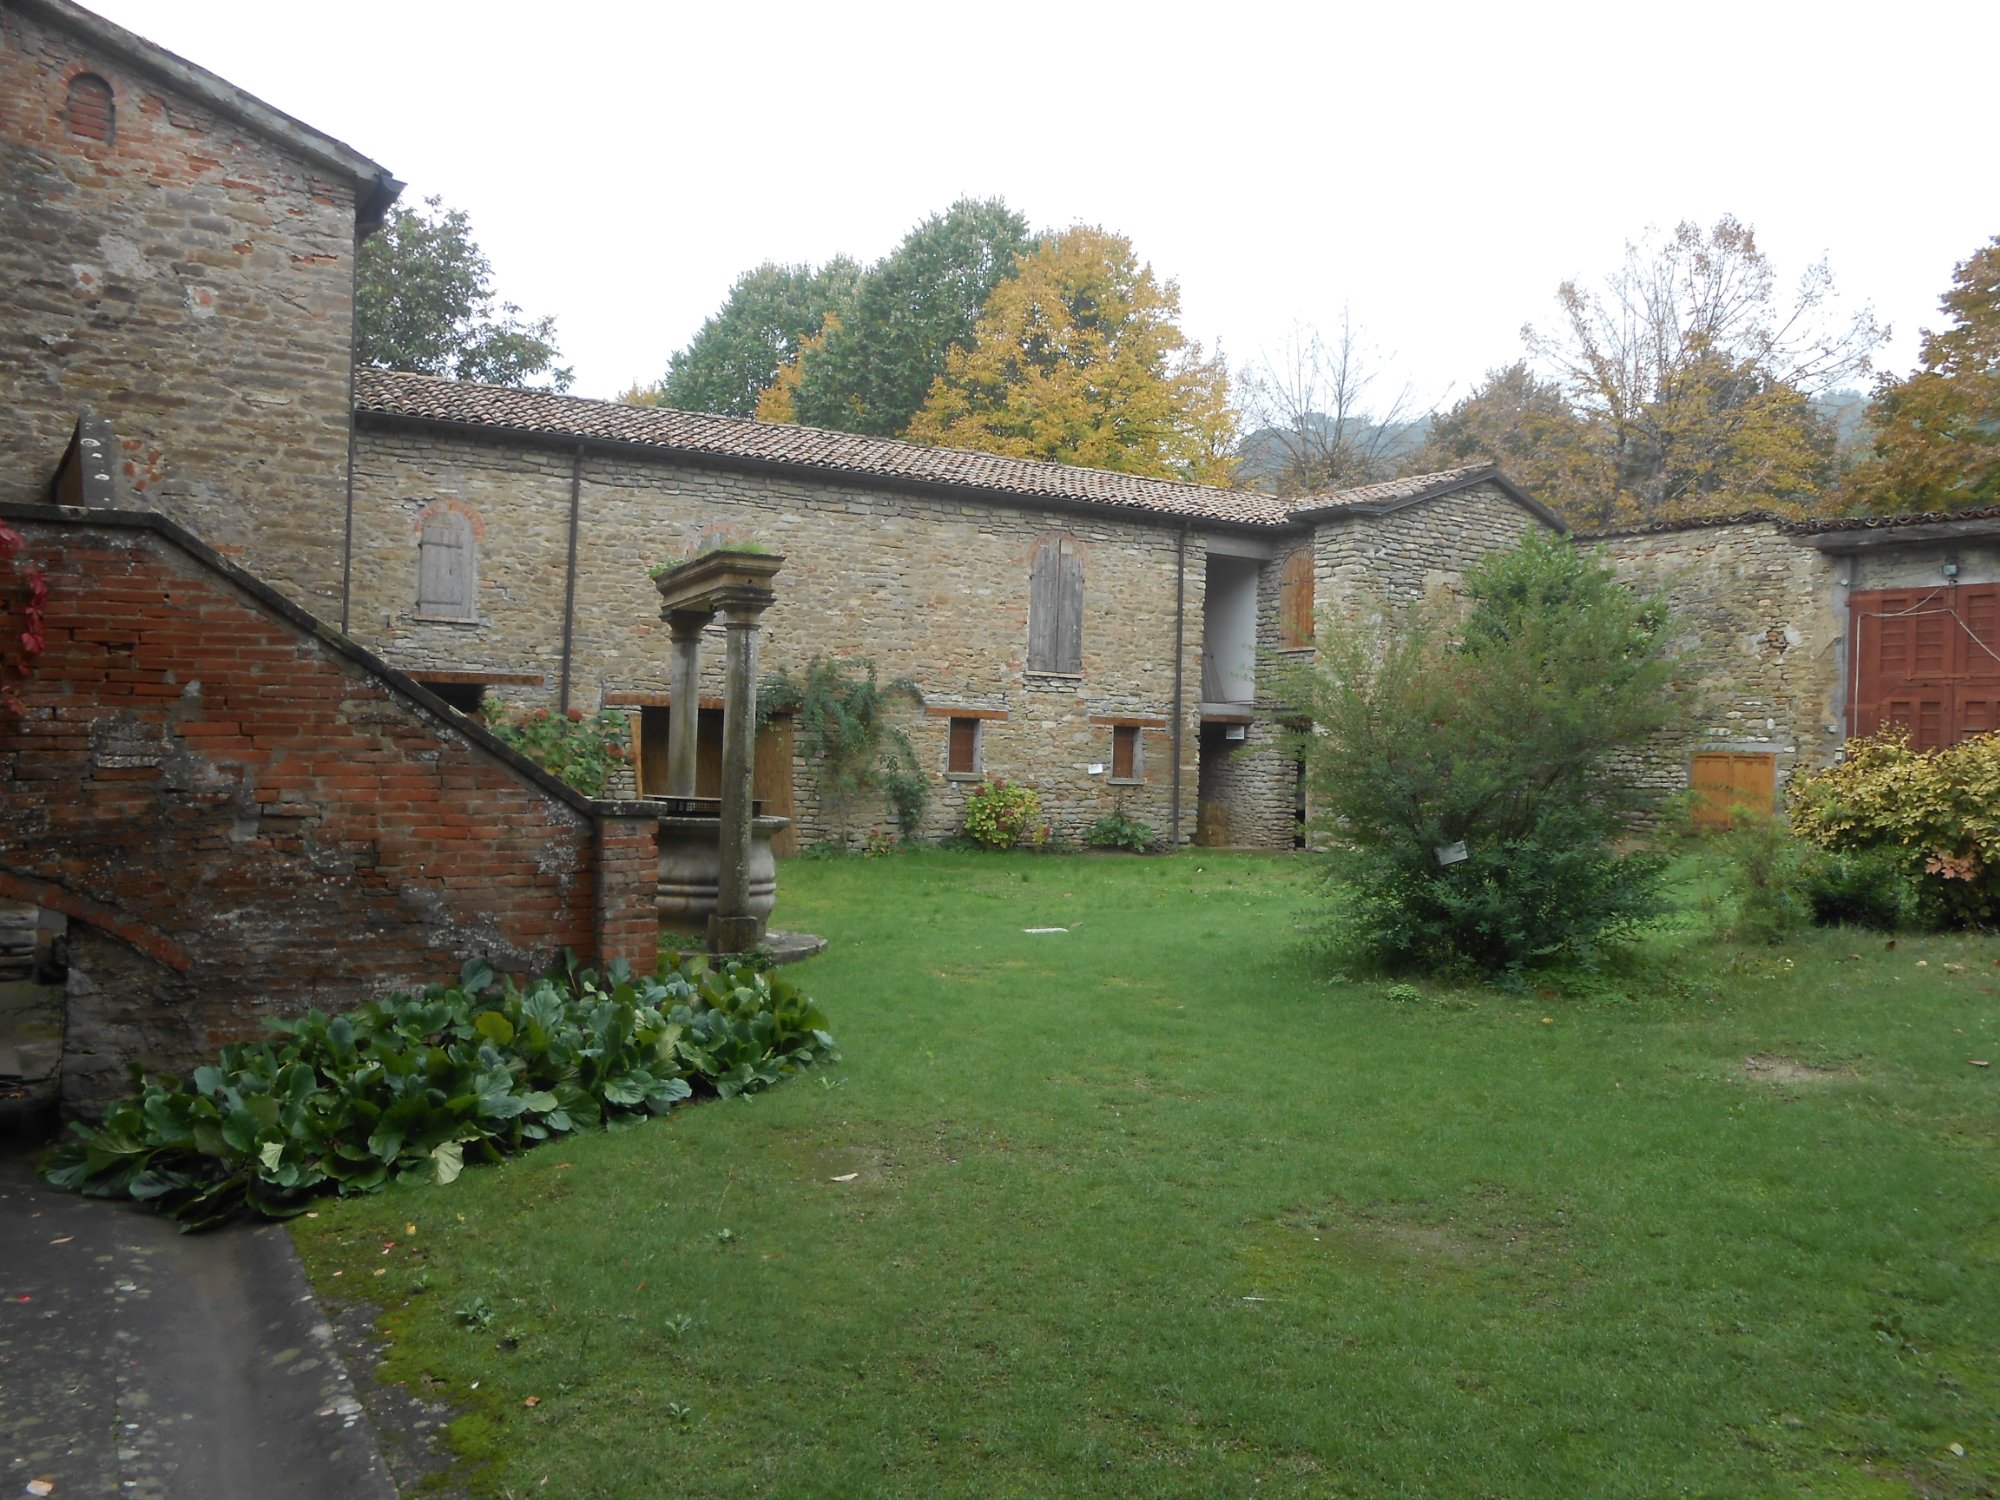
[[1451, 854]]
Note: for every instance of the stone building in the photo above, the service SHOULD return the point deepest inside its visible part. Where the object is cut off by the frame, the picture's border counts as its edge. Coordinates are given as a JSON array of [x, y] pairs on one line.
[[236, 773], [179, 259], [1106, 638], [1809, 632], [179, 255]]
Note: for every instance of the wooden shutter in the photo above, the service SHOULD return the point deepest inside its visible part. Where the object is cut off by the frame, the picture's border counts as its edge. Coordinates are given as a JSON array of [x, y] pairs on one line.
[[963, 756], [1125, 752], [446, 569], [1055, 607], [1295, 601]]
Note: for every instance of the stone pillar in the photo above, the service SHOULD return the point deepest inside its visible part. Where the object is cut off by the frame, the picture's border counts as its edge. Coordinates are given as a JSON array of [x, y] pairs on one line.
[[732, 929], [684, 722]]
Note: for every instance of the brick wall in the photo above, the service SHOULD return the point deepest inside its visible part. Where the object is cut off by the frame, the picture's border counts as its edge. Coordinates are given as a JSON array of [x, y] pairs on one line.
[[191, 281], [263, 818], [930, 588]]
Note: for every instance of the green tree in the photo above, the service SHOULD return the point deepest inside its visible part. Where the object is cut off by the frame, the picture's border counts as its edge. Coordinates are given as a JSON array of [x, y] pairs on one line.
[[737, 353], [1502, 729], [1937, 432], [1078, 358], [1692, 378], [425, 302], [873, 370]]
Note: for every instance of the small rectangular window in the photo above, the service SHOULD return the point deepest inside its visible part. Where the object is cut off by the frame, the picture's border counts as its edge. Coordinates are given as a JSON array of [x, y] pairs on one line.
[[1125, 752], [463, 696], [963, 757]]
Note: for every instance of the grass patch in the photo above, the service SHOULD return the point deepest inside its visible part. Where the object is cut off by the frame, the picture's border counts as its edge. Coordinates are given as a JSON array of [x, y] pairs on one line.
[[1152, 1207]]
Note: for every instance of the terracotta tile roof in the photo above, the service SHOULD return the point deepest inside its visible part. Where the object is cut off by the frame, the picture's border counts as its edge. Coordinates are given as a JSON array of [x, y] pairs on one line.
[[701, 434], [1821, 524], [1393, 494], [1790, 526], [1389, 491]]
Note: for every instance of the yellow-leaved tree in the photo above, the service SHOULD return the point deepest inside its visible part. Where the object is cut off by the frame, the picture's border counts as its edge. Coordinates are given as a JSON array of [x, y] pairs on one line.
[[1079, 358]]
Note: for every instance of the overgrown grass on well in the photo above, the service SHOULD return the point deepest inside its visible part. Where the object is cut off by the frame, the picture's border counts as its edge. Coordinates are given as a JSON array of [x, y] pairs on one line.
[[1151, 1208]]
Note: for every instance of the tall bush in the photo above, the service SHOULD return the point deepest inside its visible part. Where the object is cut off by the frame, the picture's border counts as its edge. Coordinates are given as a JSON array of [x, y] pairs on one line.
[[1498, 728]]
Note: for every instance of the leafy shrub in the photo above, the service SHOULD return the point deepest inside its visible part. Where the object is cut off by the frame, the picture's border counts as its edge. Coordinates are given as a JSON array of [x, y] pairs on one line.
[[1766, 869], [1869, 888], [1934, 815], [1116, 831], [580, 748], [1502, 729], [410, 1087], [1000, 814]]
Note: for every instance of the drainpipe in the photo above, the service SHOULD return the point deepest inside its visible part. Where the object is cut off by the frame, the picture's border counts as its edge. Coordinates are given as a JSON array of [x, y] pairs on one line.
[[1180, 654], [569, 581], [353, 337]]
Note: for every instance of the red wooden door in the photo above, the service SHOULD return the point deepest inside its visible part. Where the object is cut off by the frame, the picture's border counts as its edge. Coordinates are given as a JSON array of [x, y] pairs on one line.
[[1925, 659]]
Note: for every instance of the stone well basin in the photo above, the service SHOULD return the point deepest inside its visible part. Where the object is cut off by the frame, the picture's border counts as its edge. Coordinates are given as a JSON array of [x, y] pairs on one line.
[[691, 863]]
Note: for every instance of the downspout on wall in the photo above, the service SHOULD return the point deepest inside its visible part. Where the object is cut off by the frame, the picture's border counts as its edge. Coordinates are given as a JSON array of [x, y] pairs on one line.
[[1180, 652], [353, 355], [569, 579]]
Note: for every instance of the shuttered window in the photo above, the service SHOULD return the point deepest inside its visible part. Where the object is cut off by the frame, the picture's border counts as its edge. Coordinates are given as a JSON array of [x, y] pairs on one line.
[[448, 569], [962, 759], [1055, 607], [1295, 601], [88, 114], [1125, 752]]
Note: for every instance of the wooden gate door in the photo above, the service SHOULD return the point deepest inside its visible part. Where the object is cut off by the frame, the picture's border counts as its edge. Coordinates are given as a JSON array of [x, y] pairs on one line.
[[771, 780], [1927, 660], [1728, 783]]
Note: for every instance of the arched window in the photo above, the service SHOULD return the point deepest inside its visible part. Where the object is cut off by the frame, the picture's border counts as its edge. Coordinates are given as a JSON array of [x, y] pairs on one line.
[[89, 114], [1055, 607], [448, 568]]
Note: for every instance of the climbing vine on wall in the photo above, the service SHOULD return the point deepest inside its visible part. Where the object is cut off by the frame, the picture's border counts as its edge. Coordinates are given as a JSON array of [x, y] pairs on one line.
[[18, 656], [842, 726]]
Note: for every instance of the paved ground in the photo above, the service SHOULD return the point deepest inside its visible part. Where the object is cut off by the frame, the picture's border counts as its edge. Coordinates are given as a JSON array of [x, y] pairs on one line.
[[137, 1361]]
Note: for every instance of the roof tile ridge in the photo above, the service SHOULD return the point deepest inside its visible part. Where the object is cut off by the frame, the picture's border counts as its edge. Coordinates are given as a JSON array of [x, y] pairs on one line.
[[832, 435]]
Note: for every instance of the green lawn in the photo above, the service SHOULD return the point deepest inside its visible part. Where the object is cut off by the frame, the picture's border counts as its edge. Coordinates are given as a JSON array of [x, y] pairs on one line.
[[1151, 1207]]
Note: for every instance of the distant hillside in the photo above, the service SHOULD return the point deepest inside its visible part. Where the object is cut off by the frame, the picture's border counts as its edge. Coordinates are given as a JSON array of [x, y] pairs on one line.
[[1263, 456]]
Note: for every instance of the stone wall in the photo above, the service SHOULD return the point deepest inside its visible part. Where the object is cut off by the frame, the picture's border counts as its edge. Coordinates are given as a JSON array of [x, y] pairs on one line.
[[929, 587], [232, 796], [192, 282], [1764, 621], [1364, 564]]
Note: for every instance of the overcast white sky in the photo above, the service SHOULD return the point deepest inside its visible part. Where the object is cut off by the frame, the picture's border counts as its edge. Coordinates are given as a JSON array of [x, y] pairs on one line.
[[1439, 168]]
